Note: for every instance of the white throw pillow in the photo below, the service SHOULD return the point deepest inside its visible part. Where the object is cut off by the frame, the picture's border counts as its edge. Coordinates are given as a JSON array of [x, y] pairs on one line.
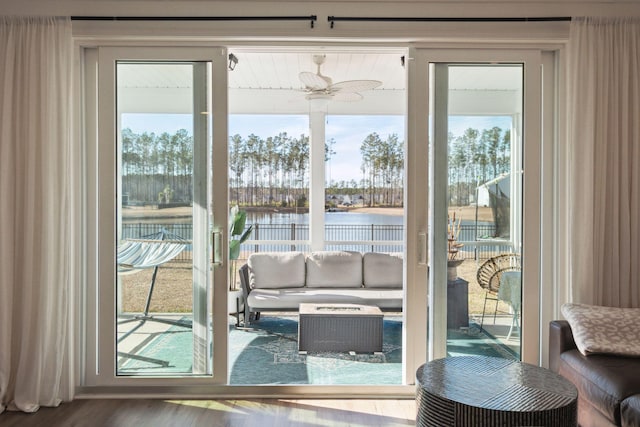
[[275, 270], [604, 330]]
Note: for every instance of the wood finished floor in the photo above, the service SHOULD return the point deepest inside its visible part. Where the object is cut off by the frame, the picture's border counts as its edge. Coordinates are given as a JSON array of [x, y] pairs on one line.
[[232, 413]]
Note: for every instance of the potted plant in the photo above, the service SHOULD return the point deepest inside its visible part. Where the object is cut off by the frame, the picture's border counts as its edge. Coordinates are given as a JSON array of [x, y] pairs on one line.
[[453, 247], [237, 236]]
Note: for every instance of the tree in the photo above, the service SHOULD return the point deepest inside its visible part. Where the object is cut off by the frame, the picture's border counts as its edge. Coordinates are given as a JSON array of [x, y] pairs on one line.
[[328, 153], [476, 157], [458, 163], [491, 140], [370, 162], [272, 163], [183, 143], [130, 161], [275, 169], [236, 163], [504, 162], [253, 157], [166, 160], [146, 149], [301, 151]]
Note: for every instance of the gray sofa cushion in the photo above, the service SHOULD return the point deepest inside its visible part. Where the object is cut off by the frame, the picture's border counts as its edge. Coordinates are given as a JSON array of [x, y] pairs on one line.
[[274, 270], [334, 269], [290, 299], [630, 411], [382, 270]]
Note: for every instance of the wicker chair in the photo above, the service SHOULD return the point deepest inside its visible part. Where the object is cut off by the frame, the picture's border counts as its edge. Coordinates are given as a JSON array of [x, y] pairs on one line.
[[489, 275]]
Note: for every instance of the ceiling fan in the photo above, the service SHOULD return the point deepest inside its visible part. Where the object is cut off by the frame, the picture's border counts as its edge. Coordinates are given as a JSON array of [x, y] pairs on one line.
[[318, 86]]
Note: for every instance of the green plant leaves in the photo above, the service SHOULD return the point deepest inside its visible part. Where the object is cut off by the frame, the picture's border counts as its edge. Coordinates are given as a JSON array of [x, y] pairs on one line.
[[238, 234]]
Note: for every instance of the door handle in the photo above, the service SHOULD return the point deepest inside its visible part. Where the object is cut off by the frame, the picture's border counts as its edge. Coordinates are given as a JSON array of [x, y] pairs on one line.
[[422, 248], [216, 251]]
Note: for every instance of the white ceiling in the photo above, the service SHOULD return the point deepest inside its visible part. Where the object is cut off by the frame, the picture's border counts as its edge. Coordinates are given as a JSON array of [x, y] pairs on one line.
[[277, 70], [270, 80], [266, 82]]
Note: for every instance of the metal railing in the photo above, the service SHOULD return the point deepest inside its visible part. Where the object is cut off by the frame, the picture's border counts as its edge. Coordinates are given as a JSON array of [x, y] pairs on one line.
[[363, 238]]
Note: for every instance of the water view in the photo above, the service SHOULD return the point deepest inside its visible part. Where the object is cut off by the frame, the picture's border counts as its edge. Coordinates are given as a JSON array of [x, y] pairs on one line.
[[342, 218]]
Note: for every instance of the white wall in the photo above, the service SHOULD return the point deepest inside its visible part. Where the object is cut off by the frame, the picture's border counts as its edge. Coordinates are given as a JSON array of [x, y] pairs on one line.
[[301, 30], [323, 8]]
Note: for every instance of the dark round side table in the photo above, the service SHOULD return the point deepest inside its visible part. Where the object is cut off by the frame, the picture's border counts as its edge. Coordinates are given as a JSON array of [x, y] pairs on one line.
[[478, 391]]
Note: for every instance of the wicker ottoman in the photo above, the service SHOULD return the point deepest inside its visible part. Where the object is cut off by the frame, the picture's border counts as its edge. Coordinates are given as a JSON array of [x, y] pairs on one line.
[[339, 327], [478, 391]]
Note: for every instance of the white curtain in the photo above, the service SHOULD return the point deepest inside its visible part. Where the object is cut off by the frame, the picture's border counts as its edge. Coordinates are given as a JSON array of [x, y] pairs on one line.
[[36, 269], [604, 136]]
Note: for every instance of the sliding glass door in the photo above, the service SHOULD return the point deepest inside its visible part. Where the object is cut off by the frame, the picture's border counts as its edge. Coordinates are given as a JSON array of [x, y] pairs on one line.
[[484, 133], [161, 227], [158, 209]]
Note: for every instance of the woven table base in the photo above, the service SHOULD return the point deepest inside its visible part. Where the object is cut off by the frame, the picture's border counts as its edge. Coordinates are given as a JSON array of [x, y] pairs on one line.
[[481, 391]]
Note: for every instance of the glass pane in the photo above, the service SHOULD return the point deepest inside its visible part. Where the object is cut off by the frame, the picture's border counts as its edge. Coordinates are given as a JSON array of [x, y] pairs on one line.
[[484, 210], [163, 325]]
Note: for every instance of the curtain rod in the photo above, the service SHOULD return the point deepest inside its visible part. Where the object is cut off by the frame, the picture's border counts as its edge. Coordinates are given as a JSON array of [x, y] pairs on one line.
[[311, 18], [333, 19]]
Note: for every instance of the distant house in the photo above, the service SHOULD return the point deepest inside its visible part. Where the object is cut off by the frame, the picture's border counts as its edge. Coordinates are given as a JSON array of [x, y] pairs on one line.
[[499, 185], [496, 194]]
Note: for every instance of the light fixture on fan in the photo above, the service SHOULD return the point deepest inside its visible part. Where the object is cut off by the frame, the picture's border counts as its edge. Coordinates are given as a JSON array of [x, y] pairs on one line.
[[318, 101], [318, 86]]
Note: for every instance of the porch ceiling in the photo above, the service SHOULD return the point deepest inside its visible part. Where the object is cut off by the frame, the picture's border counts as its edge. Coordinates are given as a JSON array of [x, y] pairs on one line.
[[265, 82]]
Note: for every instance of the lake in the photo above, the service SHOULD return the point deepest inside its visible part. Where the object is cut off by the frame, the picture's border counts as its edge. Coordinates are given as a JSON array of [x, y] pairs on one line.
[[351, 218]]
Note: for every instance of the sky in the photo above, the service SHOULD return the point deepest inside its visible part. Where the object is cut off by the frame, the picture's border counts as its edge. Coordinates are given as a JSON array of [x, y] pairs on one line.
[[348, 131]]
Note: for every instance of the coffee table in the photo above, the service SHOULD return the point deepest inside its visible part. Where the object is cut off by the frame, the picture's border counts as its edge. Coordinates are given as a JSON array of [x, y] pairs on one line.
[[475, 391], [339, 327]]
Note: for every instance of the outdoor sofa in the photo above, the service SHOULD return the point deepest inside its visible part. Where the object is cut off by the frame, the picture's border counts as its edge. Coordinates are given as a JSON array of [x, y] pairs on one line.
[[597, 350], [281, 281]]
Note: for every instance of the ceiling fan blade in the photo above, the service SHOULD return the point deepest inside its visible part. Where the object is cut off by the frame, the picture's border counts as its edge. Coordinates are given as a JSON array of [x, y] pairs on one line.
[[312, 81], [351, 86], [346, 96]]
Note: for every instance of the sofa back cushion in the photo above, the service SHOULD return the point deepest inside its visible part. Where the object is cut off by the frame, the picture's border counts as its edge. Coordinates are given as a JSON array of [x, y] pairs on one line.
[[334, 269], [382, 270], [274, 270]]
